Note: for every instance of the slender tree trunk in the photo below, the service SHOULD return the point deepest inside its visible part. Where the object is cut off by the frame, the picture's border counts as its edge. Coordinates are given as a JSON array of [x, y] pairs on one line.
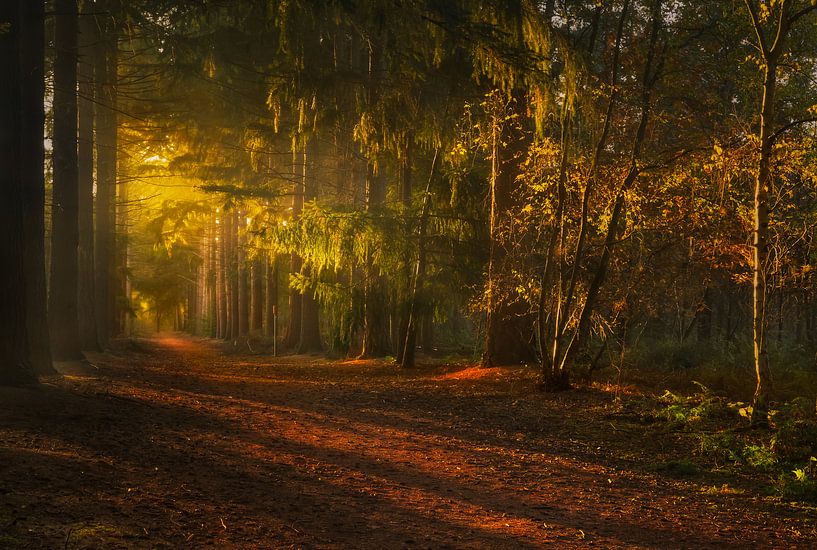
[[63, 307], [233, 279], [221, 276], [409, 345], [558, 377], [258, 304], [15, 363], [85, 152], [271, 296], [122, 255], [760, 407], [32, 159], [243, 280], [404, 294], [771, 54]]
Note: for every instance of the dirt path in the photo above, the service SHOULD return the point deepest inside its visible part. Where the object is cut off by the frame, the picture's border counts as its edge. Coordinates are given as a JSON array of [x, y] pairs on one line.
[[176, 445]]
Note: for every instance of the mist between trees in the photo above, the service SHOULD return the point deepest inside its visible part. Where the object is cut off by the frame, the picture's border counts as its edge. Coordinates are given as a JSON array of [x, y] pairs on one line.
[[565, 184]]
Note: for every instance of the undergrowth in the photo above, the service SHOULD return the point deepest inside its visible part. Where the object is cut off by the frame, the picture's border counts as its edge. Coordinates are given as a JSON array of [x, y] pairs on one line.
[[718, 428]]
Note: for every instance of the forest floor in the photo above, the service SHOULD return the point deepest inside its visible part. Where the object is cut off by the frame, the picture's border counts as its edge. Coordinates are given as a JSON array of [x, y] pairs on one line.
[[173, 443]]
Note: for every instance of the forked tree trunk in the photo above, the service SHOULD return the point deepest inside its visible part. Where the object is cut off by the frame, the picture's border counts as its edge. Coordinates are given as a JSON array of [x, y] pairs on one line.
[[409, 345], [772, 48]]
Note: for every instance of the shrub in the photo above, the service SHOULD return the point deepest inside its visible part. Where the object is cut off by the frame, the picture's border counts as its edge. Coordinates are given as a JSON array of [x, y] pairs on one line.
[[795, 440], [801, 484]]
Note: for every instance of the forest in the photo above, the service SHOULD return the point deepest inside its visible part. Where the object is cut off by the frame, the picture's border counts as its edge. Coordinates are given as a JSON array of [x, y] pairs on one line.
[[408, 273]]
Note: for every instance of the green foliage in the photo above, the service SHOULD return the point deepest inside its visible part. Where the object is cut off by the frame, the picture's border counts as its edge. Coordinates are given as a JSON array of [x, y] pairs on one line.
[[801, 483], [795, 439], [681, 412]]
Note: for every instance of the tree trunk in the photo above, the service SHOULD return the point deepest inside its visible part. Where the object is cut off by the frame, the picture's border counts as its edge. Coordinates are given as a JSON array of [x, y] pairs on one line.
[[375, 324], [221, 276], [409, 345], [508, 327], [85, 153], [293, 332], [404, 294], [258, 305], [233, 278], [310, 335], [243, 280], [271, 297], [15, 364], [122, 254], [760, 406], [106, 144], [557, 376], [32, 159], [63, 313]]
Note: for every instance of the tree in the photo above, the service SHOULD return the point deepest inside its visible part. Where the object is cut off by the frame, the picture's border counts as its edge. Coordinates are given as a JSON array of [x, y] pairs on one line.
[[86, 308], [63, 296], [772, 31], [105, 100], [32, 156], [15, 357]]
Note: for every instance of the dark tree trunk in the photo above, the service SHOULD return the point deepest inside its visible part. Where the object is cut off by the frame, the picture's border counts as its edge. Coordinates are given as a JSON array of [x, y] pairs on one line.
[[271, 297], [408, 280], [258, 305], [293, 332], [375, 316], [233, 279], [310, 336], [85, 153], [15, 365], [121, 251], [105, 64], [221, 271], [32, 159], [409, 345], [63, 307], [704, 316], [508, 334], [243, 282]]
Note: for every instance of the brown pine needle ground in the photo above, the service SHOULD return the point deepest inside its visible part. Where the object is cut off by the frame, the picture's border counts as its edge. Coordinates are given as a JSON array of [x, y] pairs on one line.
[[178, 445]]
